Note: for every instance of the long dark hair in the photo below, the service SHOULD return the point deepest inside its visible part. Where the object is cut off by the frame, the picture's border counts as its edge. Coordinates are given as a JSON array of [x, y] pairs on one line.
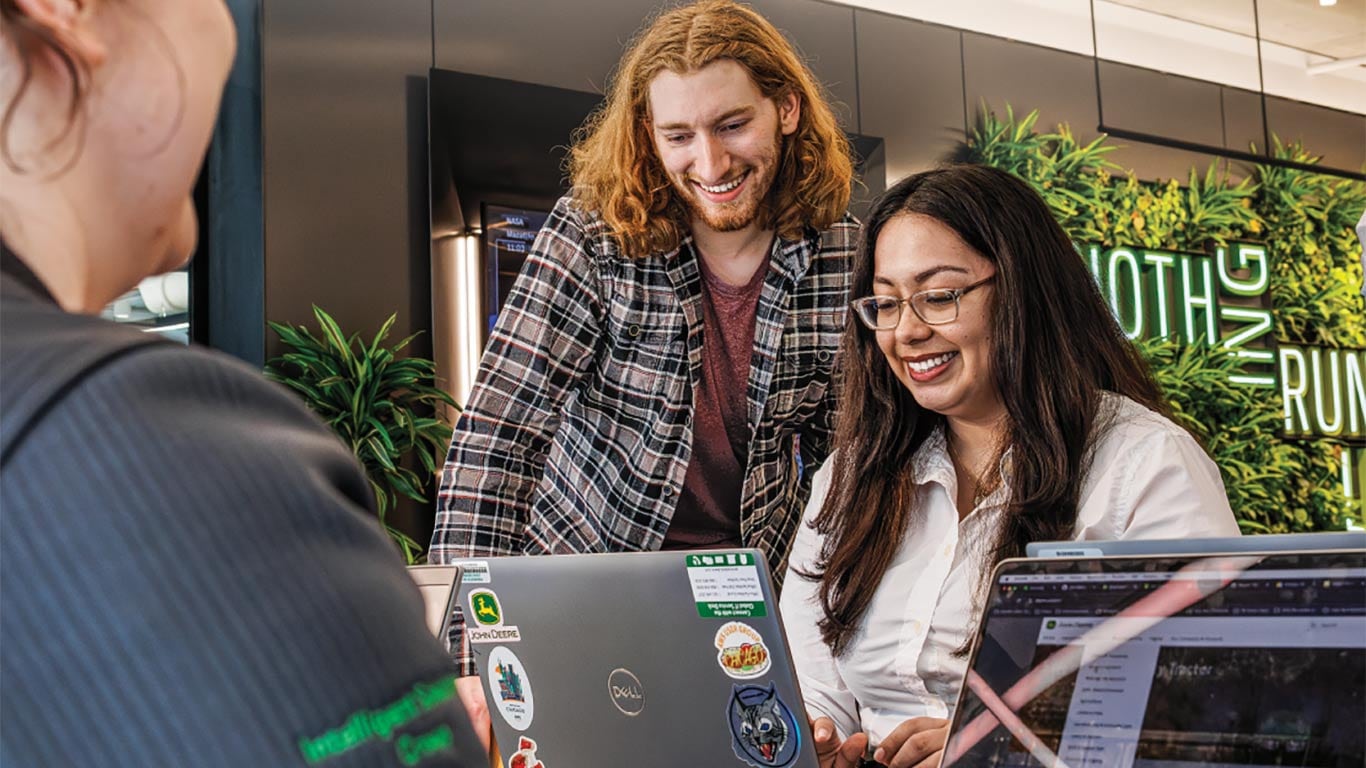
[[1055, 347]]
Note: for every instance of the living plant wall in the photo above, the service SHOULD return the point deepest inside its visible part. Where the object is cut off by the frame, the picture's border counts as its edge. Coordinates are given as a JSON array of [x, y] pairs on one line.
[[1243, 293]]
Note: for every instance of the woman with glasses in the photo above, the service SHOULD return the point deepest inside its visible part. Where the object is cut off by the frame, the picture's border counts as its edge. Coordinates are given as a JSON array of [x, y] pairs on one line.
[[990, 399]]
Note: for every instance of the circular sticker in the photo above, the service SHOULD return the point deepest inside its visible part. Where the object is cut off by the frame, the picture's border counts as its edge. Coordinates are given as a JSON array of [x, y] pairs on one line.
[[740, 651], [511, 688]]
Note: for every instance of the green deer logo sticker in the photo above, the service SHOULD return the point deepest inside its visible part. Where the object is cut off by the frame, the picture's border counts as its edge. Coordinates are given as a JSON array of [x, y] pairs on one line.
[[485, 609]]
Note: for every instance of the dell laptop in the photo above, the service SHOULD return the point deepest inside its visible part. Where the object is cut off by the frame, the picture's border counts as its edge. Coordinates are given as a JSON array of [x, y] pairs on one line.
[[635, 660]]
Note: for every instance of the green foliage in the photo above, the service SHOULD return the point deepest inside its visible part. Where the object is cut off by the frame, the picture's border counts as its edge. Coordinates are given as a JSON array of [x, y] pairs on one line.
[[1234, 423], [1069, 175], [1306, 222], [375, 401], [1315, 255], [1315, 274]]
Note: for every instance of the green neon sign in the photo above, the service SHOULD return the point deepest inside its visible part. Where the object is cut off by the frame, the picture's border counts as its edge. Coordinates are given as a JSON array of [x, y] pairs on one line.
[[1222, 299]]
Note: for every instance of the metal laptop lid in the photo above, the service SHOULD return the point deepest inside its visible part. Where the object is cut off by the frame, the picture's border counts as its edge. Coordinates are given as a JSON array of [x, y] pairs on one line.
[[437, 585], [1264, 542], [635, 660], [1243, 659]]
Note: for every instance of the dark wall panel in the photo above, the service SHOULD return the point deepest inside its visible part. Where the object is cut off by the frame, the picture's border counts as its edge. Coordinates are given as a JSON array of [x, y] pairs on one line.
[[1242, 120], [566, 45], [229, 268], [1165, 105], [1062, 86], [576, 45], [1338, 137], [342, 187], [824, 34], [910, 90]]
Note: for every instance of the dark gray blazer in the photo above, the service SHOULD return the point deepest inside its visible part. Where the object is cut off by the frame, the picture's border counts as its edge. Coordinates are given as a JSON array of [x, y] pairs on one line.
[[189, 571]]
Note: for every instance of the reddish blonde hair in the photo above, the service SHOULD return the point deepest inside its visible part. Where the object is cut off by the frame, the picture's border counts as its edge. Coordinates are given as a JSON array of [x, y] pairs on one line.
[[616, 172]]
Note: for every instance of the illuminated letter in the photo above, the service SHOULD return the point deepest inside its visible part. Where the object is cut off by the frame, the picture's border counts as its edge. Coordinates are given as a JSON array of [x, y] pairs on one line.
[[1259, 323], [1161, 264], [1334, 385], [1134, 328], [1347, 473], [1294, 396], [1356, 393], [1204, 299], [1260, 273]]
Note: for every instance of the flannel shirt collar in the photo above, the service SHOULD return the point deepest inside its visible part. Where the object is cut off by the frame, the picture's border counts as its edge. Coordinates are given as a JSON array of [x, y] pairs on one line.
[[791, 258]]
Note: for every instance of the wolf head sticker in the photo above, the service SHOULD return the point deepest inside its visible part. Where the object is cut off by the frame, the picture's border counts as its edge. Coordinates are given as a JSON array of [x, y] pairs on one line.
[[763, 731]]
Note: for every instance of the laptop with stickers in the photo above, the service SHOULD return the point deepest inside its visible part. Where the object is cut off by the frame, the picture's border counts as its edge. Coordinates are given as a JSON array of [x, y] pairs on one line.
[[1168, 661], [644, 659]]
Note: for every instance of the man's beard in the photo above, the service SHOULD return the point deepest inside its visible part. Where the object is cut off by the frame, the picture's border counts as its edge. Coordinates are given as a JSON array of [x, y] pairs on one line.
[[741, 212]]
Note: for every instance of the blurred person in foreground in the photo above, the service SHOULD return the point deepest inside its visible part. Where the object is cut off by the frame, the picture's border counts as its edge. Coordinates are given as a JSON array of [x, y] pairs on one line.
[[990, 399], [189, 570], [661, 376]]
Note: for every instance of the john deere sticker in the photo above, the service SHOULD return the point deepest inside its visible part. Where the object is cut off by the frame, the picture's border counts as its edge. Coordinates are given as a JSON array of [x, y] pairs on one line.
[[511, 688], [763, 732], [485, 620], [726, 585], [740, 651]]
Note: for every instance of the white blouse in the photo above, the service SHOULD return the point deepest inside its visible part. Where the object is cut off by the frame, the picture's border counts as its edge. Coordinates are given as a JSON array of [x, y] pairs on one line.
[[1148, 480]]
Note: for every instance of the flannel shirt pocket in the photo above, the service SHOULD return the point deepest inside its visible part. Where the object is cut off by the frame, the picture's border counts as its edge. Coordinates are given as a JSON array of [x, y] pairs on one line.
[[806, 366]]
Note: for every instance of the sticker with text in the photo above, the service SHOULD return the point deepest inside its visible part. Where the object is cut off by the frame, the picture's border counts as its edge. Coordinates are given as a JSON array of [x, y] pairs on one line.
[[763, 731], [511, 688], [525, 756], [486, 614], [474, 571], [726, 585], [740, 651]]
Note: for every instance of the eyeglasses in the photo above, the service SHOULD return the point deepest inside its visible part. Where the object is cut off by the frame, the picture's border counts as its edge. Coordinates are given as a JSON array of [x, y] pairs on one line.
[[936, 306]]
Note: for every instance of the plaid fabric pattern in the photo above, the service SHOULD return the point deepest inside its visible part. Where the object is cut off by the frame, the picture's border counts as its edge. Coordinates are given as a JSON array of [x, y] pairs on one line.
[[577, 434]]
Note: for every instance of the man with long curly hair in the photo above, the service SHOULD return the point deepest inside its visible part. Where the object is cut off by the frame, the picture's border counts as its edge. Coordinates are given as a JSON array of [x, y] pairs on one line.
[[660, 376]]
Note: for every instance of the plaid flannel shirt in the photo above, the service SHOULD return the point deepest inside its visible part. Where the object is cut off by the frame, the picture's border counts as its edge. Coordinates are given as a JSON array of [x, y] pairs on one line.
[[578, 432]]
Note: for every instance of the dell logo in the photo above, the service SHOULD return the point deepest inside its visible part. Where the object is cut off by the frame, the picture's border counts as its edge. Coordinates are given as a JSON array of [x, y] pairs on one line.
[[626, 692]]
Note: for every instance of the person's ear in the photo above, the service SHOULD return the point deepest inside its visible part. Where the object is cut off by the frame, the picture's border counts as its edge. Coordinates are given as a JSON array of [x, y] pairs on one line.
[[789, 112], [72, 24]]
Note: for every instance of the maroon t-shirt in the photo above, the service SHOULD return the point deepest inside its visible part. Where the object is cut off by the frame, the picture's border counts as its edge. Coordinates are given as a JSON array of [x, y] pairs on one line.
[[708, 512]]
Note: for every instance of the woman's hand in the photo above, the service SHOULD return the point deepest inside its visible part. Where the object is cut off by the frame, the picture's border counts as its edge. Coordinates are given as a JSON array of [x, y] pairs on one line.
[[834, 753], [916, 743]]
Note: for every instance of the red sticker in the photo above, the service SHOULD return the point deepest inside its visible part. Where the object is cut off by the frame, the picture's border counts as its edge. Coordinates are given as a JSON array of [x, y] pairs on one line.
[[525, 756]]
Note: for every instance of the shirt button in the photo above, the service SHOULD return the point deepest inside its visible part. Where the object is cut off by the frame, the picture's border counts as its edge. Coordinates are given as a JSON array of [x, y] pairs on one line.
[[916, 627], [668, 491], [823, 356], [633, 331]]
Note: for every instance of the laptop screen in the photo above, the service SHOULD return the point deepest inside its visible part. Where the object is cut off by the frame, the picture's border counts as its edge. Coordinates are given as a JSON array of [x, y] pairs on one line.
[[437, 583], [1235, 660]]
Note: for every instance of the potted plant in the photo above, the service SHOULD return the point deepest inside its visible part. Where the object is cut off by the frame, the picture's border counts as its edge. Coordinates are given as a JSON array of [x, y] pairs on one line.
[[381, 405]]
